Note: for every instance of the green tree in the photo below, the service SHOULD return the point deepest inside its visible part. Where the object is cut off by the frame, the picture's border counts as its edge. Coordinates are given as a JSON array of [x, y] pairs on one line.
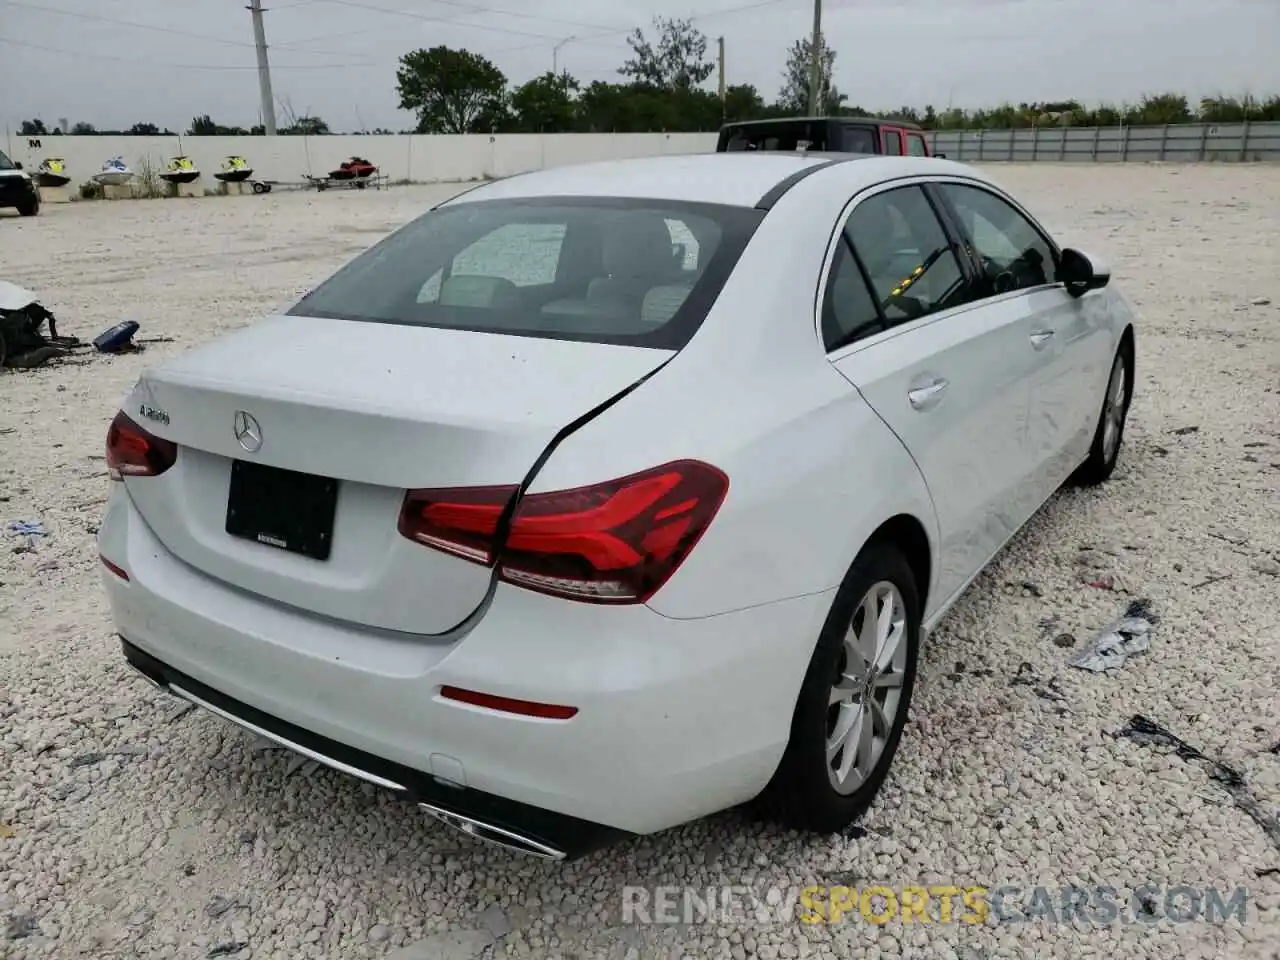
[[545, 104], [451, 91], [143, 130], [794, 97], [677, 61], [83, 129], [33, 128], [306, 127], [203, 126], [742, 101]]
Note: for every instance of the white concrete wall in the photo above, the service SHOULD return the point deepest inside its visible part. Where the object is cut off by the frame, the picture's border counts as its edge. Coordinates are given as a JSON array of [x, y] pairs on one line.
[[423, 159]]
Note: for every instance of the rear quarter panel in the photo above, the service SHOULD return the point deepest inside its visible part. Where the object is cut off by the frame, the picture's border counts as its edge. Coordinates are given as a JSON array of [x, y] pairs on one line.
[[812, 470]]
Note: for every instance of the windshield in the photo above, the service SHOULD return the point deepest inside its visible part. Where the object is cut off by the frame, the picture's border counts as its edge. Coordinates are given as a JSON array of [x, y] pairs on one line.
[[641, 272], [5, 162]]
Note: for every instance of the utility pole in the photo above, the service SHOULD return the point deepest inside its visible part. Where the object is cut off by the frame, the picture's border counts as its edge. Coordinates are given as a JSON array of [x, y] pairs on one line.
[[723, 105], [555, 54], [264, 69], [815, 62]]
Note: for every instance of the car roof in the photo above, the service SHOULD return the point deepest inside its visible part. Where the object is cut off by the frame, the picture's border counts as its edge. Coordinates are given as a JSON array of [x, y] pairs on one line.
[[741, 179], [855, 121]]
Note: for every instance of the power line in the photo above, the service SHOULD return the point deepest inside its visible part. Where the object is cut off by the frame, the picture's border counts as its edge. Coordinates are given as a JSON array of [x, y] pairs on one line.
[[592, 38], [426, 18], [476, 8], [156, 28], [182, 66]]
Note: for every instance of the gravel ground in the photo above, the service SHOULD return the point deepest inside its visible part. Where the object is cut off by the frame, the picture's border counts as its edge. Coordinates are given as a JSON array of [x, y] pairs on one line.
[[129, 830]]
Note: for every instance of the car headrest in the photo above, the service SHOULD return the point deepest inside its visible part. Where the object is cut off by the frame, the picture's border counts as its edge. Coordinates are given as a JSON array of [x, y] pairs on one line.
[[638, 246], [467, 291]]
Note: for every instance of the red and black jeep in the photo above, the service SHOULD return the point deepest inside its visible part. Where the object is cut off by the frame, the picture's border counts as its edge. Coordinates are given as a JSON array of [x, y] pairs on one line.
[[829, 134]]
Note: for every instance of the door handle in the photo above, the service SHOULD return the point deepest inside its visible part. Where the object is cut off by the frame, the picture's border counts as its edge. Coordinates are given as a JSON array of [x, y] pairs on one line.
[[922, 398], [1040, 338]]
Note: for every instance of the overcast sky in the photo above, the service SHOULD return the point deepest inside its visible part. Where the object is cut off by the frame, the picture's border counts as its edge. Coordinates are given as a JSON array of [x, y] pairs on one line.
[[337, 58]]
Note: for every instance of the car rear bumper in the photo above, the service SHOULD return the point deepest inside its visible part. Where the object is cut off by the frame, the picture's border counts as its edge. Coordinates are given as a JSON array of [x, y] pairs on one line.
[[676, 718], [491, 818]]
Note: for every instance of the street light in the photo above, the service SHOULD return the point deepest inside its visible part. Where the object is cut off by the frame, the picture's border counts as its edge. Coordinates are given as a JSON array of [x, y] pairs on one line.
[[555, 54]]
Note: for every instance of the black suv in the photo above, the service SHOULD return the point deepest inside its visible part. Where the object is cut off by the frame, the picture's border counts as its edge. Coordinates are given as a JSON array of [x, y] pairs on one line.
[[830, 134], [17, 189]]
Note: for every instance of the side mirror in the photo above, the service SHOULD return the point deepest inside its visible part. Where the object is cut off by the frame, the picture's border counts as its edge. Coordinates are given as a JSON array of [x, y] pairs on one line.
[[1080, 272], [941, 156], [17, 165]]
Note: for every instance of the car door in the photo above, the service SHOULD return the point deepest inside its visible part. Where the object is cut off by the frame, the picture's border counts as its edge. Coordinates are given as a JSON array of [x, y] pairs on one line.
[[948, 376], [1019, 267], [891, 139]]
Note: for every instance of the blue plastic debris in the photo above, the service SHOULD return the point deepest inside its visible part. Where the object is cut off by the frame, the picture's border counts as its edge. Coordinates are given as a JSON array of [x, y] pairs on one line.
[[25, 528]]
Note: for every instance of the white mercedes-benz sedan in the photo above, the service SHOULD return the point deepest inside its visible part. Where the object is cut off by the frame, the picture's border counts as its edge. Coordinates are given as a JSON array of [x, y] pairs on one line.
[[599, 499]]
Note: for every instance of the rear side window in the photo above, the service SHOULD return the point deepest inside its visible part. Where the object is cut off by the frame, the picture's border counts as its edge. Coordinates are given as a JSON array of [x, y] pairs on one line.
[[598, 269], [893, 143], [5, 162], [858, 140], [848, 310], [913, 269]]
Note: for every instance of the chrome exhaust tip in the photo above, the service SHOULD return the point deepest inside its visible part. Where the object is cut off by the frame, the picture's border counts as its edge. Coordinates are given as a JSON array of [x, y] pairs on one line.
[[496, 836]]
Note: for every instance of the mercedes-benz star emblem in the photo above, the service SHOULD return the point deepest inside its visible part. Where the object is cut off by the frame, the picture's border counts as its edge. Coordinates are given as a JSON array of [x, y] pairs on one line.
[[248, 432]]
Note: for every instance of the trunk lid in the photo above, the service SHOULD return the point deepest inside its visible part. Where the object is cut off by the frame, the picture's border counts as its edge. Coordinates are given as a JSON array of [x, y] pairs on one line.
[[380, 408]]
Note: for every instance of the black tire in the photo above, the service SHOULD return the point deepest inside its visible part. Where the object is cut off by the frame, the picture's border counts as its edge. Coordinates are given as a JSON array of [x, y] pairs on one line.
[[30, 207], [1102, 459], [801, 793], [259, 188]]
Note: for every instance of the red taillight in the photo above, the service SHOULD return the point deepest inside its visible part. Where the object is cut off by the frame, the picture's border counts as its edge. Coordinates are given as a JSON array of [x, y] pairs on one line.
[[525, 708], [612, 542], [133, 452], [114, 568]]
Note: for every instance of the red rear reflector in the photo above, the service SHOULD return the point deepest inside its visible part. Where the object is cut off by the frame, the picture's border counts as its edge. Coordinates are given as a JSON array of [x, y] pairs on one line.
[[612, 542], [525, 708], [118, 571], [134, 452]]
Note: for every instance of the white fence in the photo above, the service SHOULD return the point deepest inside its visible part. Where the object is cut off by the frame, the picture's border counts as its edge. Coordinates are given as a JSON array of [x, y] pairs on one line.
[[422, 159]]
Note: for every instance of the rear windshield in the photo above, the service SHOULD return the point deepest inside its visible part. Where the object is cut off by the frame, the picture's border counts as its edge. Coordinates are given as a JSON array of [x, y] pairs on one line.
[[640, 272], [799, 135]]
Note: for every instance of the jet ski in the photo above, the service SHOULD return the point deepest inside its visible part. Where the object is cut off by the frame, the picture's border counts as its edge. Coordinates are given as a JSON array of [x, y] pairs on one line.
[[234, 170], [52, 172], [114, 173], [357, 168], [180, 170]]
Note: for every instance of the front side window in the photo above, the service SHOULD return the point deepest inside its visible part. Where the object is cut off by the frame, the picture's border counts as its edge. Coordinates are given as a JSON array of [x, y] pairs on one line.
[[1014, 254], [892, 143], [911, 264], [915, 145], [598, 269]]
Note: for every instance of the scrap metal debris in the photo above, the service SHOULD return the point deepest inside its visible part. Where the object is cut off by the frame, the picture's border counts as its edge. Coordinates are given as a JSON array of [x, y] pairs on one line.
[[1146, 731], [1211, 580], [1117, 642], [22, 345], [1045, 690]]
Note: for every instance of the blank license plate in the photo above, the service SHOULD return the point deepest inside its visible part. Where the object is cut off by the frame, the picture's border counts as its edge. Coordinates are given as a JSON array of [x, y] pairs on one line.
[[282, 508]]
